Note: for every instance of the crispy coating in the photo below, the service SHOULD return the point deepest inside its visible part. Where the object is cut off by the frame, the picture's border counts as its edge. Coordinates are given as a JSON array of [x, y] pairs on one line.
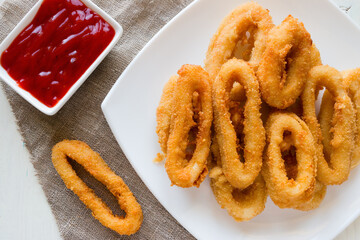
[[239, 170], [297, 107], [284, 67], [315, 56], [95, 165], [285, 191], [163, 115], [351, 80], [188, 144], [247, 26], [316, 199], [352, 84], [242, 205], [334, 167]]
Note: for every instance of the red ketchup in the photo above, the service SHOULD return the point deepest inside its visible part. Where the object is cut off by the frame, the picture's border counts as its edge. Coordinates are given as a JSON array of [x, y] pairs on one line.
[[56, 48]]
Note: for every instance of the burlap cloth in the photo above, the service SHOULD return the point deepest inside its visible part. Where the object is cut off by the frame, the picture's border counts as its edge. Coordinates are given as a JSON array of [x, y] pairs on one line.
[[81, 118]]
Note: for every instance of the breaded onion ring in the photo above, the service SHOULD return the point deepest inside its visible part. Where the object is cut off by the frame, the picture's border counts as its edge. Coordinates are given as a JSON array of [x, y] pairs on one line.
[[164, 112], [242, 205], [286, 191], [315, 61], [182, 170], [315, 56], [351, 80], [284, 67], [239, 174], [316, 199], [292, 169], [334, 168], [248, 26], [95, 165], [352, 84]]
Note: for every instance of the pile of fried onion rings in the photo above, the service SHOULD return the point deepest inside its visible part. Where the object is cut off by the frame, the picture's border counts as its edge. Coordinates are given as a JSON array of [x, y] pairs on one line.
[[251, 120]]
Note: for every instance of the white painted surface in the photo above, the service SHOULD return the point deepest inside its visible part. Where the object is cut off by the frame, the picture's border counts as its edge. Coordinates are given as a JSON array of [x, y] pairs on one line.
[[24, 212]]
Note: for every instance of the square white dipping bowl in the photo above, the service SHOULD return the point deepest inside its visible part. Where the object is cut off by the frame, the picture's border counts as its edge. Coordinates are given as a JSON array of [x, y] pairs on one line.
[[20, 27]]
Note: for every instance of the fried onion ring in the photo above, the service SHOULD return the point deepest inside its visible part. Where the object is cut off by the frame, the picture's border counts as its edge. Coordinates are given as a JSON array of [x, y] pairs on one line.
[[292, 169], [190, 128], [316, 199], [315, 56], [352, 84], [284, 67], [242, 205], [248, 26], [334, 167], [239, 173], [315, 61], [95, 165], [351, 80], [164, 112], [289, 190]]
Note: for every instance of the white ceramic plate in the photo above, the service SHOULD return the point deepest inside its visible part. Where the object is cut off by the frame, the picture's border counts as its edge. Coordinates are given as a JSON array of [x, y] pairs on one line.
[[131, 105]]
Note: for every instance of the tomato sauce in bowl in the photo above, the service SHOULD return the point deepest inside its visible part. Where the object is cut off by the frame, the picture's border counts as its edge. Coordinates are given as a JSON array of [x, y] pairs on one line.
[[62, 41]]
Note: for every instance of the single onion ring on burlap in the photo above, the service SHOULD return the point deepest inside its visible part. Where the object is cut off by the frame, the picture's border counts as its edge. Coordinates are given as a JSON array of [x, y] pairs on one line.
[[288, 192], [239, 174], [335, 168], [185, 172], [285, 64], [242, 205], [95, 165], [247, 26], [351, 80]]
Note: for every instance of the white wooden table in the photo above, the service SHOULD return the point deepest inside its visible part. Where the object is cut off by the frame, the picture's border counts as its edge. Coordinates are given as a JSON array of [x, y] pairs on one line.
[[24, 211]]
